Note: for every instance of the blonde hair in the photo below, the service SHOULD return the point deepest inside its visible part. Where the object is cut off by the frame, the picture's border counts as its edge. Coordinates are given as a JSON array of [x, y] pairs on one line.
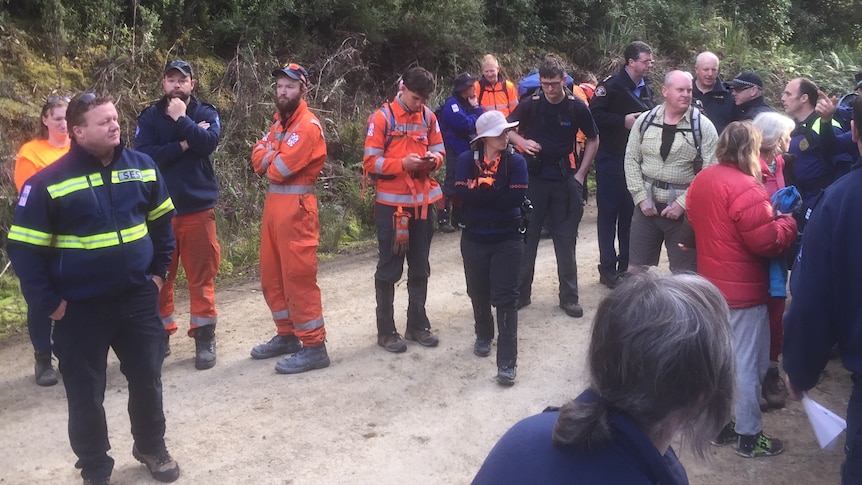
[[739, 143], [490, 59]]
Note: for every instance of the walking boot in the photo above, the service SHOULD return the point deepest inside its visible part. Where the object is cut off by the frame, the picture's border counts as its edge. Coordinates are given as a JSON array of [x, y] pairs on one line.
[[278, 345], [205, 347], [418, 326], [45, 373], [387, 336], [160, 464], [444, 223], [773, 389], [308, 358]]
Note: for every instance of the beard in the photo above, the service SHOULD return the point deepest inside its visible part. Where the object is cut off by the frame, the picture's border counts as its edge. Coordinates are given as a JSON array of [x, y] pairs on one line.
[[286, 106], [183, 96]]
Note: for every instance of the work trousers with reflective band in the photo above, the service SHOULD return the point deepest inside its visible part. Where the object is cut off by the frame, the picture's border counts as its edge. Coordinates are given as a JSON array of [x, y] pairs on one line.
[[561, 202], [129, 324], [198, 251], [491, 272], [288, 265], [390, 267], [750, 327]]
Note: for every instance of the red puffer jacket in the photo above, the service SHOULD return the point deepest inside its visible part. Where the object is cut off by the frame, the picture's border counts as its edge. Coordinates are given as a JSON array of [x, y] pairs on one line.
[[736, 233]]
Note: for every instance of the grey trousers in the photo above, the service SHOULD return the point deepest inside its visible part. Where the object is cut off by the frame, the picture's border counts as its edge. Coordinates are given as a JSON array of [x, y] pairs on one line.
[[751, 351]]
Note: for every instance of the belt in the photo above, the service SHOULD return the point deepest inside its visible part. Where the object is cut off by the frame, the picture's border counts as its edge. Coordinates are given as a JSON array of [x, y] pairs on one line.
[[664, 185]]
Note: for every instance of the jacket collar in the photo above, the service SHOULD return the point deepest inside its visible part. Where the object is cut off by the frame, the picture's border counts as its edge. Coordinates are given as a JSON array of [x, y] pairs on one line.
[[77, 152]]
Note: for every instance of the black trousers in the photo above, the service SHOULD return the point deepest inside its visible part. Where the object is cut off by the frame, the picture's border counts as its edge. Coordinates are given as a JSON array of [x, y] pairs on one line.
[[491, 272], [130, 325]]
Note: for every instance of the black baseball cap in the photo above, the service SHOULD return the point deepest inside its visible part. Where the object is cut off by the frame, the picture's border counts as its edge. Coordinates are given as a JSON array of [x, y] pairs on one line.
[[463, 81], [180, 65], [746, 79]]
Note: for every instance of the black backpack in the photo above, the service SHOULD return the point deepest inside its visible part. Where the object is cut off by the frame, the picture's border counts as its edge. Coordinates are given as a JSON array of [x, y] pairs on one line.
[[696, 132]]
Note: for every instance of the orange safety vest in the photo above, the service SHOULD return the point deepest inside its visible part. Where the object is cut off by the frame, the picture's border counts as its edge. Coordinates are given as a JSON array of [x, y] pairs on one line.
[[500, 96]]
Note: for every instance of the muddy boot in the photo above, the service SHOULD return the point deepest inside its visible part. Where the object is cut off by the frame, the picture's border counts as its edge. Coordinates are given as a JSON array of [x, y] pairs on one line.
[[45, 373], [205, 347], [773, 389]]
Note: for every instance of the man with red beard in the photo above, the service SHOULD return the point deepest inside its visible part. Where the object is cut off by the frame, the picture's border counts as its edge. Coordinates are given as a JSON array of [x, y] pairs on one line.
[[291, 156], [179, 133]]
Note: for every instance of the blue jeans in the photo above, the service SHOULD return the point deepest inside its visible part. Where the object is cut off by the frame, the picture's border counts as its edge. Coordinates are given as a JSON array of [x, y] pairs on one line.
[[851, 469], [128, 323]]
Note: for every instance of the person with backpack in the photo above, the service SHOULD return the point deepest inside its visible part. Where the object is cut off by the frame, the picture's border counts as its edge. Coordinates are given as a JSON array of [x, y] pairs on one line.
[[457, 117], [618, 101], [403, 147], [667, 147], [547, 136], [491, 181], [493, 91]]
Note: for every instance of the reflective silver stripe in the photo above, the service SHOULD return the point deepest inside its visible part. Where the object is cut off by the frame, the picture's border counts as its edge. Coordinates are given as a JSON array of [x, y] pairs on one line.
[[291, 189], [436, 148], [408, 199], [373, 151], [267, 159], [378, 165], [260, 147], [410, 127], [317, 123], [311, 325], [280, 136], [281, 167], [512, 104], [167, 320], [203, 321], [281, 315]]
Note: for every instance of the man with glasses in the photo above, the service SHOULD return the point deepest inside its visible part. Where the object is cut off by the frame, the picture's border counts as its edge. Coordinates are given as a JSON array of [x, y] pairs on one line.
[[547, 136], [403, 147], [91, 241], [618, 101], [180, 133], [291, 156], [747, 90]]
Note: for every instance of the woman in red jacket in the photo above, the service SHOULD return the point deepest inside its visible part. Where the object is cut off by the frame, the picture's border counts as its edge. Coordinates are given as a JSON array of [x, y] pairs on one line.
[[737, 232]]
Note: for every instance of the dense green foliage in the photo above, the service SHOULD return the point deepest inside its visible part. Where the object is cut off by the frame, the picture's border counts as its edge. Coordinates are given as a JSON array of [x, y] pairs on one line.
[[355, 51]]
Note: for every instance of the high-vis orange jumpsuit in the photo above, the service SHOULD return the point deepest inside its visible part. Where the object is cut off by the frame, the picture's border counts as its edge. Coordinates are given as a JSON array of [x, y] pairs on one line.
[[393, 133], [291, 156]]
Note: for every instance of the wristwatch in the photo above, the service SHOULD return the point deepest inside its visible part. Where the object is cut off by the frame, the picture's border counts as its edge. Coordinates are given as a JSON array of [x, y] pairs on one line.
[[163, 275]]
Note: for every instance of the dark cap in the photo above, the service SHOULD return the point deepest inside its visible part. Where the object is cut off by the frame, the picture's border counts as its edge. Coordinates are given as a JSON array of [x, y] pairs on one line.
[[746, 79], [180, 65], [463, 81], [293, 71]]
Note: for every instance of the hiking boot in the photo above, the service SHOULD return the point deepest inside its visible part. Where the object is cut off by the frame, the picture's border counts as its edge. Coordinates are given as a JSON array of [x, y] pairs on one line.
[[755, 446], [392, 343], [205, 347], [482, 348], [98, 481], [167, 344], [506, 376], [611, 279], [308, 358], [572, 309], [774, 389], [726, 436], [424, 337], [45, 373], [162, 467], [278, 345]]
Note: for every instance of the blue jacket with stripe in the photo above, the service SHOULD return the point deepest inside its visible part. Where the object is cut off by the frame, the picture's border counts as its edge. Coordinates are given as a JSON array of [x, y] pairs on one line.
[[83, 230], [189, 175]]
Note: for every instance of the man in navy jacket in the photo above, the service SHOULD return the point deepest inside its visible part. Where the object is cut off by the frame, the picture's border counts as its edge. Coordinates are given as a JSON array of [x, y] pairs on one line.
[[179, 133], [826, 308]]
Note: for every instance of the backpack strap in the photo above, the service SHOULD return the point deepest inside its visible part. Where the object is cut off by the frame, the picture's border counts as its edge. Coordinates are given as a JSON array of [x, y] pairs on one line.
[[648, 121], [695, 131]]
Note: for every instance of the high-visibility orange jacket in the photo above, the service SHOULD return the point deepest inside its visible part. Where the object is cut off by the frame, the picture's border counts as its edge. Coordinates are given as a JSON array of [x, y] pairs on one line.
[[394, 132], [34, 156], [500, 96], [292, 155]]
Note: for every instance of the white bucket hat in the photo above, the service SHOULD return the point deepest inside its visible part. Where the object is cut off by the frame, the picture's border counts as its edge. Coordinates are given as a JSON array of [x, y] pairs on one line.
[[491, 123]]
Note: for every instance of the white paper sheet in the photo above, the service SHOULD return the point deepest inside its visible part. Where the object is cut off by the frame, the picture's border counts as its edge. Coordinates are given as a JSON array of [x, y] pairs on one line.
[[827, 425]]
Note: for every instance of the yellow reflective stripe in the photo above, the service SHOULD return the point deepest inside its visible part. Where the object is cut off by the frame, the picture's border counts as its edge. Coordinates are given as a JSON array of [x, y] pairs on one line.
[[29, 236], [164, 208], [134, 233], [133, 175], [97, 241], [66, 187]]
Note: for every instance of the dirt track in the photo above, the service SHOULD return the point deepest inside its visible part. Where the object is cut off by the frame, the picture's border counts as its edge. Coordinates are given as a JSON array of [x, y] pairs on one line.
[[428, 416]]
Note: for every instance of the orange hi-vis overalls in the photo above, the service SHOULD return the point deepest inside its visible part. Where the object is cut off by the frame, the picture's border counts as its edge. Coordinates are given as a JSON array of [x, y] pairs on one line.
[[34, 156], [291, 156], [500, 96], [394, 132]]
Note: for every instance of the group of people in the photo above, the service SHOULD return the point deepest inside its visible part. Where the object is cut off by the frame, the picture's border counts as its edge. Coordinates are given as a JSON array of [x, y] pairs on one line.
[[99, 235]]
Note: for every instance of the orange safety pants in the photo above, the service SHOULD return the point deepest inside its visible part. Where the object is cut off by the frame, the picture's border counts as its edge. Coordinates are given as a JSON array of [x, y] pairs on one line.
[[288, 265], [198, 250]]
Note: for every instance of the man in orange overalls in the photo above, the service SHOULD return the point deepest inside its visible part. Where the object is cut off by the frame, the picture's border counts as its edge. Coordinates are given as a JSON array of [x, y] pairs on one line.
[[403, 147], [291, 156]]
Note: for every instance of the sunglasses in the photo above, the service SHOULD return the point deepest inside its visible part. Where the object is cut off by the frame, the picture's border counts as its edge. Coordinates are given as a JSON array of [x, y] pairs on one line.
[[740, 89], [296, 69], [54, 99]]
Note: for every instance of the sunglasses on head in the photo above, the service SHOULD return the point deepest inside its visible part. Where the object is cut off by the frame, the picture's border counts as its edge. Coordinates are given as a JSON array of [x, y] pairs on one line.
[[54, 99], [292, 66]]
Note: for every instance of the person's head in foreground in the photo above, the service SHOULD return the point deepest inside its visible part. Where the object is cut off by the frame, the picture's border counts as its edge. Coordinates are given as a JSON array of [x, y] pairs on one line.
[[660, 365]]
